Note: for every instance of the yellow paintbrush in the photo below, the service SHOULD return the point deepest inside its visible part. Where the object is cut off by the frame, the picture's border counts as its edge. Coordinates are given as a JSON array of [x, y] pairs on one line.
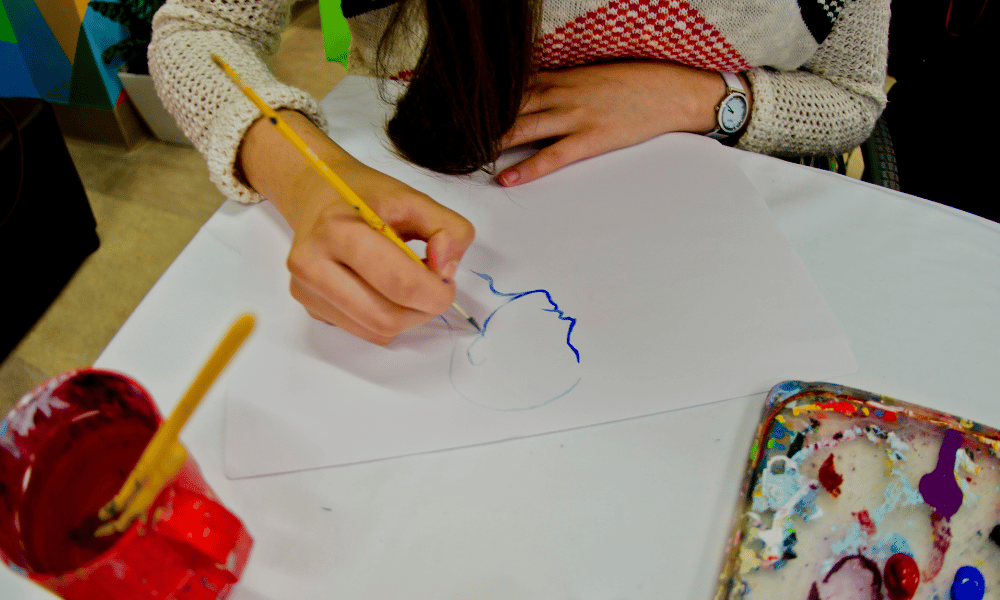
[[366, 213], [164, 455]]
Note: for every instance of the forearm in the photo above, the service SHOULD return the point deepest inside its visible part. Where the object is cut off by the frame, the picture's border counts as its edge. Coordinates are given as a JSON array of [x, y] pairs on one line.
[[707, 90], [832, 103], [276, 170], [800, 114], [208, 107]]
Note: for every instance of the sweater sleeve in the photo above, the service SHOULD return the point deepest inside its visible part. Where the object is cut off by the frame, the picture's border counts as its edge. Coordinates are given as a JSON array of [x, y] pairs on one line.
[[831, 103], [211, 111]]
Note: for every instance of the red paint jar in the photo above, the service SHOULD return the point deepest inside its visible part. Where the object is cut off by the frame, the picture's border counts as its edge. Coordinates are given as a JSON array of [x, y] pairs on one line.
[[65, 450]]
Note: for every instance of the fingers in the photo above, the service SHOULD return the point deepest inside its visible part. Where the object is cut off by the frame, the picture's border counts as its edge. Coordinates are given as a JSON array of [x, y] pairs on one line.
[[546, 113], [347, 274], [563, 152], [360, 281], [553, 112], [447, 233], [320, 309], [539, 126], [593, 109]]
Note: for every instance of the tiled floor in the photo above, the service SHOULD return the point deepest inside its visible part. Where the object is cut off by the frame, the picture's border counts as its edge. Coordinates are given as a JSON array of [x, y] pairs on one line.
[[148, 202]]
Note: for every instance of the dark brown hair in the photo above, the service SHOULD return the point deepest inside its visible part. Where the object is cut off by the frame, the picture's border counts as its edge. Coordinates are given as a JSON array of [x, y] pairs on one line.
[[467, 87]]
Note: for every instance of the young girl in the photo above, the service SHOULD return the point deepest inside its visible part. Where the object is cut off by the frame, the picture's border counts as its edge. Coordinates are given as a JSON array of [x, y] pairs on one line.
[[580, 77]]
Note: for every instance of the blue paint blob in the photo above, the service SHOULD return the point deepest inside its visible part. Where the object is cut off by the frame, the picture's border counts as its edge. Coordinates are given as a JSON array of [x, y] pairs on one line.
[[968, 585], [788, 386], [778, 431]]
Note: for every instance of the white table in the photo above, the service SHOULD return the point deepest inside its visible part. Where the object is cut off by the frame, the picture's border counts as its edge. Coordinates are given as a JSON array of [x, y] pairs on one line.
[[630, 510]]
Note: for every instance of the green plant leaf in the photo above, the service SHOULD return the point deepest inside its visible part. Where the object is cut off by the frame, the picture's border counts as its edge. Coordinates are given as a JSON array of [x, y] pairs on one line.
[[122, 49], [136, 16], [118, 13], [144, 9]]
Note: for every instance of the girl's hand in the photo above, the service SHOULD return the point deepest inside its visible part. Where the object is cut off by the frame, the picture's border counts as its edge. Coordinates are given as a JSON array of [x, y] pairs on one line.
[[345, 273], [589, 110], [342, 271]]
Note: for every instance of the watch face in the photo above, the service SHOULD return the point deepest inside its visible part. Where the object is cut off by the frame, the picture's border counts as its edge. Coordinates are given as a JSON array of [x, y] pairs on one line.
[[733, 112]]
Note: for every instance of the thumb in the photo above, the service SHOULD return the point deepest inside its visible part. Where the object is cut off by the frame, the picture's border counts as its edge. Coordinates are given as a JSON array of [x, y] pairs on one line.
[[447, 234], [447, 246]]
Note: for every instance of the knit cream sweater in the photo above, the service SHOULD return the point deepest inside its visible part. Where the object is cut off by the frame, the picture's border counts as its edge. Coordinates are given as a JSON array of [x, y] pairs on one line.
[[816, 67]]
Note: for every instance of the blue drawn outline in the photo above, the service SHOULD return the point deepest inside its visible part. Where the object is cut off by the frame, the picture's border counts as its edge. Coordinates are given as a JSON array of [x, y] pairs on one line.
[[512, 297], [516, 295]]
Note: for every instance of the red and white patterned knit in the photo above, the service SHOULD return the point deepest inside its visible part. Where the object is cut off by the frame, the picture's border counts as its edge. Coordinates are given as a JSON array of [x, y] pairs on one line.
[[673, 31], [817, 67]]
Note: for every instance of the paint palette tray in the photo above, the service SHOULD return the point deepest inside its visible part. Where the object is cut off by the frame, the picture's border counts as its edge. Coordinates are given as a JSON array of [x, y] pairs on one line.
[[854, 496]]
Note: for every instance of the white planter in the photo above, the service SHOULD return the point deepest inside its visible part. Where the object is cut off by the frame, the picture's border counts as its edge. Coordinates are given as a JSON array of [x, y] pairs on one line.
[[140, 89]]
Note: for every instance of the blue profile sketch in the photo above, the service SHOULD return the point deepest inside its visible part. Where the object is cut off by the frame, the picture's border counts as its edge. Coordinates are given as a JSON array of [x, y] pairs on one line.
[[523, 358]]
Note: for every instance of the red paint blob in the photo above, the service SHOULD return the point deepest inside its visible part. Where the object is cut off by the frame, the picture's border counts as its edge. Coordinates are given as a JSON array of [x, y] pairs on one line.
[[902, 577], [941, 538], [865, 520], [840, 406], [889, 417], [830, 478]]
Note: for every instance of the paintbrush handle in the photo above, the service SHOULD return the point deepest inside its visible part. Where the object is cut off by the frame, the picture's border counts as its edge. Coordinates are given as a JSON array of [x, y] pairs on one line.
[[367, 214], [168, 463], [165, 437]]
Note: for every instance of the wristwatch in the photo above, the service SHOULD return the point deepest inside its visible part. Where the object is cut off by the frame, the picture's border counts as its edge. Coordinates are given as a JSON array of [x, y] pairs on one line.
[[733, 111]]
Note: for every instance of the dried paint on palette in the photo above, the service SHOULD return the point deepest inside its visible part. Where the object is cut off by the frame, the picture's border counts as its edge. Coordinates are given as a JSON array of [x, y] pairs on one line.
[[850, 485]]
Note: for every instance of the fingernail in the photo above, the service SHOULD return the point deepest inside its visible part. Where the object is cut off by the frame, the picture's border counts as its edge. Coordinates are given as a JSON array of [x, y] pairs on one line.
[[510, 177], [449, 270]]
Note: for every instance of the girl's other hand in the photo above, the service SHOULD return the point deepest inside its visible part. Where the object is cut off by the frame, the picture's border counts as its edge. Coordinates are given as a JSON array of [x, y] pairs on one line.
[[589, 110]]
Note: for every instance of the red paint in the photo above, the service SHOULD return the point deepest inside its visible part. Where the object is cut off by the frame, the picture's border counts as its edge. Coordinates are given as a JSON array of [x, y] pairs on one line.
[[865, 520], [840, 406], [856, 577], [902, 577], [814, 592], [941, 538], [889, 417], [80, 439], [830, 478], [67, 486]]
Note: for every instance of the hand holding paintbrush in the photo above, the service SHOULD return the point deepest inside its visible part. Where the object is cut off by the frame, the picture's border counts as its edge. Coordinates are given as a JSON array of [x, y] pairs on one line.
[[341, 273]]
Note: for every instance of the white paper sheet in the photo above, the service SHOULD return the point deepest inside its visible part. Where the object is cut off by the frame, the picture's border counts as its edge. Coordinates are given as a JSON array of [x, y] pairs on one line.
[[649, 279]]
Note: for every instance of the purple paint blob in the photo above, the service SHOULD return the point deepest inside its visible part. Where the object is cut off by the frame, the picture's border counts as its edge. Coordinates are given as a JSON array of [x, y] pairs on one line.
[[939, 488]]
